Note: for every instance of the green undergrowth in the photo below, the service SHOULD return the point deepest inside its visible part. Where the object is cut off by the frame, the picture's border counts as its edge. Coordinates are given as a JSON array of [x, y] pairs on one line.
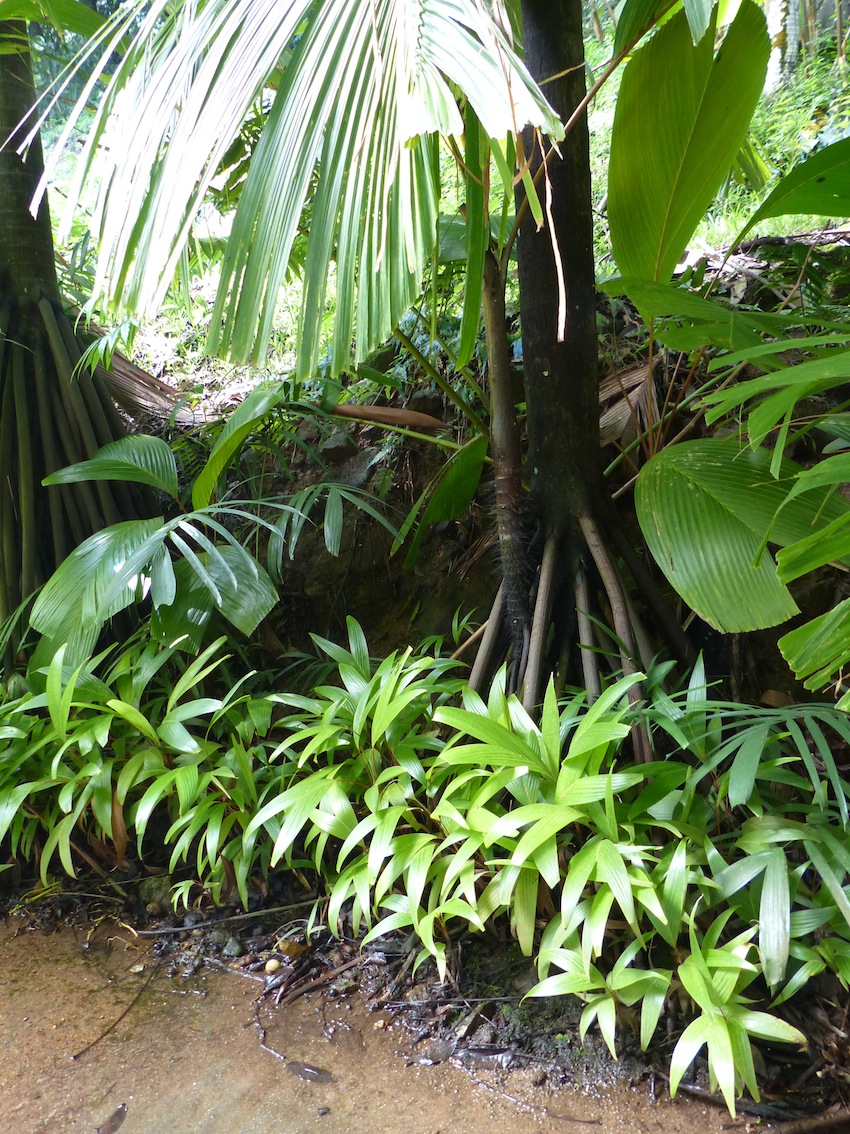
[[712, 878]]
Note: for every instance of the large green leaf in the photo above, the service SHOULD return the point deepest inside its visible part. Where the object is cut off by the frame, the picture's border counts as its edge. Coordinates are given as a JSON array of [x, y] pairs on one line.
[[246, 597], [451, 491], [636, 17], [80, 596], [819, 185], [820, 649], [706, 508], [240, 424], [114, 567], [140, 458], [64, 15], [685, 321], [361, 90], [681, 117]]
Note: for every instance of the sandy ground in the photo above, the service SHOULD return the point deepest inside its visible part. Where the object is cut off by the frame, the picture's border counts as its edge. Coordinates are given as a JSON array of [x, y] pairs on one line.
[[186, 1058]]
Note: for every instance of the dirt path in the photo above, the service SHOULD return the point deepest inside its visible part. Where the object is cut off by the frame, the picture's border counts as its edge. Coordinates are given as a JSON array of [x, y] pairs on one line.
[[186, 1058]]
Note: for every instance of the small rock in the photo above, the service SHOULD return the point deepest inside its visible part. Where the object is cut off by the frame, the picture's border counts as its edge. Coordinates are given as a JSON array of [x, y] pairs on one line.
[[337, 447], [233, 948], [486, 1058], [436, 1051], [155, 890], [323, 1110]]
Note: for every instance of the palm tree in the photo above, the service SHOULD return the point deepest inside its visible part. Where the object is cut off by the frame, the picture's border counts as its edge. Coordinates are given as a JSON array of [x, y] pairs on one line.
[[49, 417], [359, 92]]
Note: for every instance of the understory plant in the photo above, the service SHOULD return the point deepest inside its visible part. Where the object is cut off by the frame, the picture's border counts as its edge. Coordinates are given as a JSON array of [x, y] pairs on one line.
[[706, 878], [95, 755], [200, 556], [705, 887]]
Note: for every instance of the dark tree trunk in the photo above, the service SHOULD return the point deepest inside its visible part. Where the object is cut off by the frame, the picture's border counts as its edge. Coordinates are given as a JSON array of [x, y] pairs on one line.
[[561, 379], [570, 505], [27, 268], [49, 416]]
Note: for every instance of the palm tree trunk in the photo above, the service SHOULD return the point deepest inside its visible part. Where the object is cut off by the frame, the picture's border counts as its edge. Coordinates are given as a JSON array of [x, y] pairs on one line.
[[569, 500], [561, 372], [49, 417]]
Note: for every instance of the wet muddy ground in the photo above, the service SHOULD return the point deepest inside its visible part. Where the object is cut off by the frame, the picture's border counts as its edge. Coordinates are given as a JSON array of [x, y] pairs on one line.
[[186, 1057]]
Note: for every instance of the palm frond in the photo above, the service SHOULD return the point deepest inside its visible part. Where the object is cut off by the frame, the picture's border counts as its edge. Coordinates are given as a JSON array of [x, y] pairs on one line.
[[359, 89]]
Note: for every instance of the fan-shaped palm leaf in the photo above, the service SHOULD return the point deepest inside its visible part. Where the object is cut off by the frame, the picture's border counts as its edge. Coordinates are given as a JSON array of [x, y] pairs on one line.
[[362, 89]]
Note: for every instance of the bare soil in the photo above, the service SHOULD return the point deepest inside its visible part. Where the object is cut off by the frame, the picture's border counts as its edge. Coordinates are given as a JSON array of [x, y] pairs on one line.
[[186, 1057]]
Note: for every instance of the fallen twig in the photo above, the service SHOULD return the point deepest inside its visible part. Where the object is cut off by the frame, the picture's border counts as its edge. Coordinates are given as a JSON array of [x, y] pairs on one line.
[[835, 1119], [538, 1110], [318, 981], [215, 963], [117, 1021], [172, 929], [262, 1031]]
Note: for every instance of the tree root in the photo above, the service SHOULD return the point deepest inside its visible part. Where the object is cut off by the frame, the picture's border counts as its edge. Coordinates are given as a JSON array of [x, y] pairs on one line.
[[528, 666], [50, 416]]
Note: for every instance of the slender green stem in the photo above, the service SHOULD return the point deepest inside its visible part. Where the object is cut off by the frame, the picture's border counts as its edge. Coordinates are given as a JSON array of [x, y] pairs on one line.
[[75, 404], [30, 540], [50, 452], [464, 370], [437, 377]]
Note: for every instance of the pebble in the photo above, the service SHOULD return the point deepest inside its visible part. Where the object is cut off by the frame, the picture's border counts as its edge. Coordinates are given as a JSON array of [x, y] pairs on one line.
[[308, 1072], [233, 948]]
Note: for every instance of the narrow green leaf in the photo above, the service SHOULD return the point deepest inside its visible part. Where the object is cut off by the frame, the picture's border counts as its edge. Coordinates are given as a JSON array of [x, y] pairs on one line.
[[452, 491], [830, 545], [721, 1060], [742, 776], [524, 909], [821, 648], [240, 424], [676, 133], [829, 879], [775, 918], [611, 868], [139, 458], [819, 185], [54, 685], [333, 522], [133, 717], [477, 237], [686, 1050]]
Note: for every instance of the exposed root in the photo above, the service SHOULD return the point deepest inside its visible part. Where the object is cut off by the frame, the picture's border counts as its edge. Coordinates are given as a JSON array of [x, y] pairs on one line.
[[532, 678], [589, 664], [622, 623], [486, 659]]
